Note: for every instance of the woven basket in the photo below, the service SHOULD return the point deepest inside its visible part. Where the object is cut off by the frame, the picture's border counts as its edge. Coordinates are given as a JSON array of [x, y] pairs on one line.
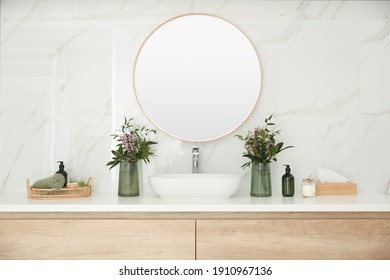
[[63, 193]]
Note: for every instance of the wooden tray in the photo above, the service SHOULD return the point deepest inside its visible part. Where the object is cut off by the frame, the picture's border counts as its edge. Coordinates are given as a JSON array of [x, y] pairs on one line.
[[336, 188], [63, 193]]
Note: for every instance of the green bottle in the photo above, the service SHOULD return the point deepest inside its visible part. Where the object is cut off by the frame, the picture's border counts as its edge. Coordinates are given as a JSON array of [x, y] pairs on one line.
[[288, 187], [62, 172]]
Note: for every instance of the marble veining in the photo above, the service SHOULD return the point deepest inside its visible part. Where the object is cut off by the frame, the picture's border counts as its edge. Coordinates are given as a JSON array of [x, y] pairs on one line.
[[381, 35], [66, 83]]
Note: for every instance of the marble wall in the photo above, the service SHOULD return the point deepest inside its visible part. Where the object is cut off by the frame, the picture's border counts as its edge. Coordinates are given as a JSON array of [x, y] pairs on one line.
[[66, 83]]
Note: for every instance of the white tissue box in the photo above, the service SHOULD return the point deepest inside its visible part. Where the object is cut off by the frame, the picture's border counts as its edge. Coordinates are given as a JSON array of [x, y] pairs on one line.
[[336, 188]]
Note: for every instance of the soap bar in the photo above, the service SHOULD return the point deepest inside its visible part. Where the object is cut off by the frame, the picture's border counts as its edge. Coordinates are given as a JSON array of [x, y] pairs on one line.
[[336, 188], [72, 185]]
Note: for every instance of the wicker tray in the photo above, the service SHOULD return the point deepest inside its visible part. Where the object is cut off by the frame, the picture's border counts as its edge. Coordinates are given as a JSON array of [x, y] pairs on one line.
[[63, 193]]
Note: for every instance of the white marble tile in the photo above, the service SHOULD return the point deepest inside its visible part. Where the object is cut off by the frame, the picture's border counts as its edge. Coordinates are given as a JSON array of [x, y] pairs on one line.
[[122, 10], [375, 154], [342, 10], [375, 67], [27, 97], [37, 34], [272, 35], [257, 11], [328, 35], [46, 9], [25, 150], [91, 77], [22, 56], [37, 71], [316, 73], [66, 83], [319, 10], [91, 150], [375, 9], [312, 82], [19, 9]]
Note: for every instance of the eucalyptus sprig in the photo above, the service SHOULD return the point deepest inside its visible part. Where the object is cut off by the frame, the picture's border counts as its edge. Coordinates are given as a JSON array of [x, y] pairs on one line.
[[260, 144], [132, 144]]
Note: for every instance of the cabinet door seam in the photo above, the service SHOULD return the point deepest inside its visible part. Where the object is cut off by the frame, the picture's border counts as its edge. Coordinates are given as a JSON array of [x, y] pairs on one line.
[[196, 239]]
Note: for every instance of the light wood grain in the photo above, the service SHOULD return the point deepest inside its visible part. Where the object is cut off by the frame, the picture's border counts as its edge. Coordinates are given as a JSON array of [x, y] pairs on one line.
[[97, 239], [293, 239], [171, 235], [336, 188]]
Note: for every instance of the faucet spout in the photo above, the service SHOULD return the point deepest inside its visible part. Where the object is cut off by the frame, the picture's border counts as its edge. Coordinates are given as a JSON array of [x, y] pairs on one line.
[[195, 160]]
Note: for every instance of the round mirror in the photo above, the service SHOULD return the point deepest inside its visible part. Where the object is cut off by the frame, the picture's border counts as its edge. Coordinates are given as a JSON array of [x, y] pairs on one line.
[[197, 77]]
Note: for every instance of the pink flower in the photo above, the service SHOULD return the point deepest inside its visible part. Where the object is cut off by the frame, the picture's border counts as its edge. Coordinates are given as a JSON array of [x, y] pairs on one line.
[[129, 142]]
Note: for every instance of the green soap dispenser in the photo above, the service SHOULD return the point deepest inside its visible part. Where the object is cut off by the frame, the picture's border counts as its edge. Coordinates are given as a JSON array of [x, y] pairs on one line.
[[62, 172], [288, 187]]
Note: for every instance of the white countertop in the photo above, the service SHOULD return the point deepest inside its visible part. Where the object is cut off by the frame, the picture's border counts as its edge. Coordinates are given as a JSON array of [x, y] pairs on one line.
[[109, 202]]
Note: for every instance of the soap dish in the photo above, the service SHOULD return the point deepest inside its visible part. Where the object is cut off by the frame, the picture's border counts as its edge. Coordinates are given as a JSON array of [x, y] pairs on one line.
[[63, 193]]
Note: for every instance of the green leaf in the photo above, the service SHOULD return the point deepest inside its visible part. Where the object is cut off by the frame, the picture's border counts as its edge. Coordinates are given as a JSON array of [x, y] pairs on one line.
[[114, 164]]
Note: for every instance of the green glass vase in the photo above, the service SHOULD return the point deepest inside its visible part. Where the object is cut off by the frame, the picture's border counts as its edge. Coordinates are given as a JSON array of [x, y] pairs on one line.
[[128, 179], [261, 179]]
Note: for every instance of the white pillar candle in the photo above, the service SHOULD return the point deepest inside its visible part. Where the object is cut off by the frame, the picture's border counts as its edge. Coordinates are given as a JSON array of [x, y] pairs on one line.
[[308, 188]]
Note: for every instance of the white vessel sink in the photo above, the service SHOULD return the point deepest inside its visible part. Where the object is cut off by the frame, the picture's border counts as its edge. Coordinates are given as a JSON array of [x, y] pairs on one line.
[[201, 185]]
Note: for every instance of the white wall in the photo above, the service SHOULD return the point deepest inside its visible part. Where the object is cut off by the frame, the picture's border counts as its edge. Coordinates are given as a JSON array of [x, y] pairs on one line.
[[66, 69]]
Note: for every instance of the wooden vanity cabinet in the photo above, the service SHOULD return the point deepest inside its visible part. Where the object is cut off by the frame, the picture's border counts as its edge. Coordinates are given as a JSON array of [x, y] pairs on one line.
[[352, 235], [293, 239], [101, 238]]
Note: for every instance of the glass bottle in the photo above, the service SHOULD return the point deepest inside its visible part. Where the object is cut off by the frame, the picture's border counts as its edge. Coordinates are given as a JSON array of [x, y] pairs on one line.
[[288, 184]]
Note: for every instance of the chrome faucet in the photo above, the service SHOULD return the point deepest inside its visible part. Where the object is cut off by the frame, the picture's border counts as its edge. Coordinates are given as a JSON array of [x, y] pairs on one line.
[[195, 160]]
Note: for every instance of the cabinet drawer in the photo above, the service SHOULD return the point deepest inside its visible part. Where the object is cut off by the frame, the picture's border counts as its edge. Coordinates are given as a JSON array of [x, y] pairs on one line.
[[97, 239], [293, 239]]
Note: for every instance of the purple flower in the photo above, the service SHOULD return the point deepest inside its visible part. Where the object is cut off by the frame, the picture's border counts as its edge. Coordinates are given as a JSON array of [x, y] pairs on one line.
[[250, 150], [129, 142], [260, 144]]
